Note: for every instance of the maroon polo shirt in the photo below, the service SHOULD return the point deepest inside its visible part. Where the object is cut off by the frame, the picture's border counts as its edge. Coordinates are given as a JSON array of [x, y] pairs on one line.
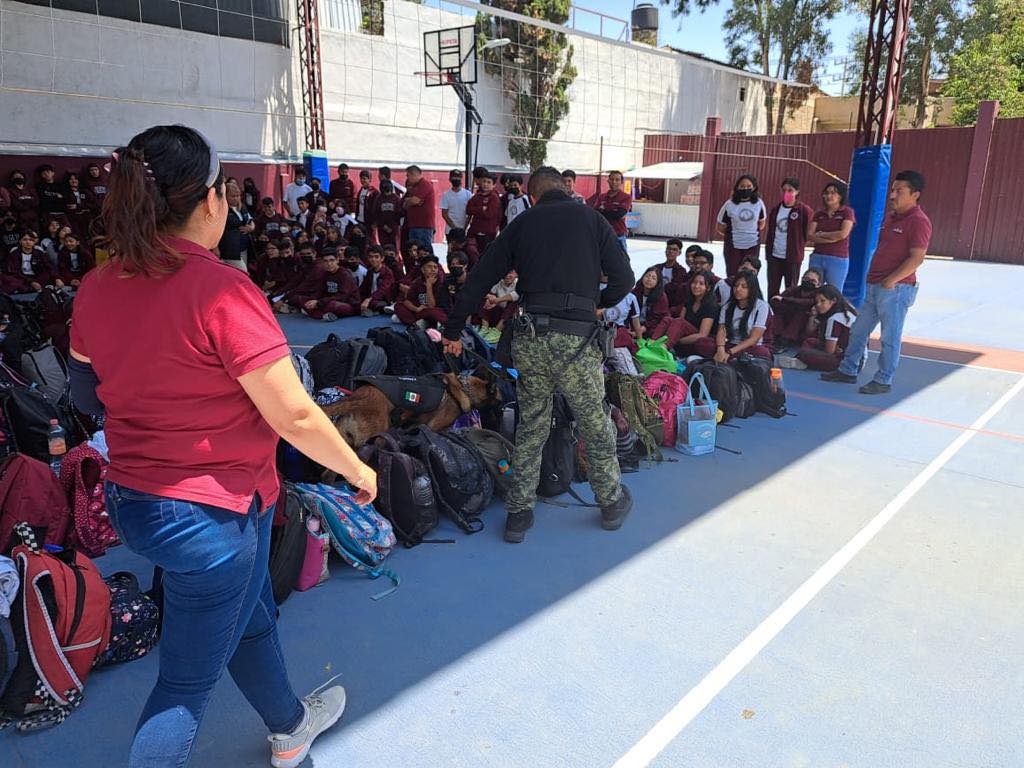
[[483, 212], [421, 216], [898, 235], [833, 222], [168, 352], [615, 202]]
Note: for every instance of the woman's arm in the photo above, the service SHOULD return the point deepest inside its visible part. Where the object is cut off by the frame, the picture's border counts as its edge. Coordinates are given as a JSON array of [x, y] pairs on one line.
[[704, 330], [721, 355], [834, 237], [751, 341], [279, 396]]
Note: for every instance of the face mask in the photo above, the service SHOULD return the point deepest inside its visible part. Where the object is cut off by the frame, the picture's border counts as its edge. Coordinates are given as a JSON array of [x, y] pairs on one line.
[[18, 182], [789, 198], [745, 194], [457, 271], [807, 285]]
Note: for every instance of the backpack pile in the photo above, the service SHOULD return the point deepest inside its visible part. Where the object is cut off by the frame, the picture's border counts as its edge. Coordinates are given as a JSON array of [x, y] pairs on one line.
[[336, 363], [408, 352]]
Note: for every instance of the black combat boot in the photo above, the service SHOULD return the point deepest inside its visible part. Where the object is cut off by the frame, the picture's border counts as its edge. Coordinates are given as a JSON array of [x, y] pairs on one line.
[[613, 514], [517, 524]]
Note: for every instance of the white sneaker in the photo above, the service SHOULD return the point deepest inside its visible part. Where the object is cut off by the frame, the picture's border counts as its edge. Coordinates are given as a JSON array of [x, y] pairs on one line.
[[323, 710], [694, 359], [394, 319], [329, 317], [788, 361]]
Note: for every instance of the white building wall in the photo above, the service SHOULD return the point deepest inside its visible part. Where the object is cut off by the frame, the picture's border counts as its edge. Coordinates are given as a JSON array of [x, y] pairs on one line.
[[78, 81]]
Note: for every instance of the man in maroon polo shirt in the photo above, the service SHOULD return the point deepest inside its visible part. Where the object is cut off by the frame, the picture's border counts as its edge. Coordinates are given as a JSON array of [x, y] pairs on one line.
[[343, 189], [892, 285], [614, 205], [419, 206]]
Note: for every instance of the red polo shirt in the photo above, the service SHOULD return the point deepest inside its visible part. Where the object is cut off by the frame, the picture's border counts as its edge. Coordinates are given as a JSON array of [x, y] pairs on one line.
[[833, 222], [898, 235], [615, 202], [421, 216], [168, 352]]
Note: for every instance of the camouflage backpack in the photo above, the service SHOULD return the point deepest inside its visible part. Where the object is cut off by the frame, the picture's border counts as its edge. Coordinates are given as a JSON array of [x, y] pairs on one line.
[[627, 394]]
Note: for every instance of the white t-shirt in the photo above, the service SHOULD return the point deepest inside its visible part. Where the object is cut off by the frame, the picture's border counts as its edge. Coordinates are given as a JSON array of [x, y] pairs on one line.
[[758, 319], [832, 325], [666, 274], [621, 311], [26, 263], [781, 232], [516, 205], [292, 193], [455, 203], [723, 291], [501, 290], [743, 217], [359, 273]]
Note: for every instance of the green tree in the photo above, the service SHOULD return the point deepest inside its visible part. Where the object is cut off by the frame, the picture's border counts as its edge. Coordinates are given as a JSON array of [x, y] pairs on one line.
[[536, 69], [991, 67], [778, 38]]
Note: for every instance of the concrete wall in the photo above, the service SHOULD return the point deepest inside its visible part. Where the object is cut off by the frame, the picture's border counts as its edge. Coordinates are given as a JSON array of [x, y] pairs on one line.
[[74, 83]]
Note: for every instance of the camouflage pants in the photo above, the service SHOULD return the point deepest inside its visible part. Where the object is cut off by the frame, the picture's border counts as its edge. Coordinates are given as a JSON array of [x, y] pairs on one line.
[[542, 362]]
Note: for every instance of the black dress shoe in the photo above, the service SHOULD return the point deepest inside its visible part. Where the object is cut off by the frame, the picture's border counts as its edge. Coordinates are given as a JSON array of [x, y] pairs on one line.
[[613, 515], [875, 388], [836, 376], [516, 526]]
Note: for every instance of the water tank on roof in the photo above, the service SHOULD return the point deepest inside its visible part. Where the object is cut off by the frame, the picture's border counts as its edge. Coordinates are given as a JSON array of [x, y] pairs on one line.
[[644, 21]]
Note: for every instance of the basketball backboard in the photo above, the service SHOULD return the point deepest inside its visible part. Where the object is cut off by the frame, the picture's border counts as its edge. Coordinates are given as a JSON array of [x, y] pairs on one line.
[[449, 55]]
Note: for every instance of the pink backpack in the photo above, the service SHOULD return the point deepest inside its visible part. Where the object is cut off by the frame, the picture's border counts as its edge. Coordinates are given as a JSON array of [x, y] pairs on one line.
[[82, 474], [670, 391]]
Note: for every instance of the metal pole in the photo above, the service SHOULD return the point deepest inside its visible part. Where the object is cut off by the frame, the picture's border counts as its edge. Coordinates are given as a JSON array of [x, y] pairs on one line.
[[469, 141], [600, 165]]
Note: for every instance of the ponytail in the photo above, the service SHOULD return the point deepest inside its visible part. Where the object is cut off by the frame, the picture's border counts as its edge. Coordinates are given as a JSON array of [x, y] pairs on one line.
[[155, 185]]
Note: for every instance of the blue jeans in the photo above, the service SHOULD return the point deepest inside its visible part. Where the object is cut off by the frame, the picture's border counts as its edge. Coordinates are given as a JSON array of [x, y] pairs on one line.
[[888, 306], [422, 235], [219, 612], [833, 268], [622, 242]]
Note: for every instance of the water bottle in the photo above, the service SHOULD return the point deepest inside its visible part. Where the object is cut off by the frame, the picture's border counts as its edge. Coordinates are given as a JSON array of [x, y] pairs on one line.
[[58, 445], [504, 467], [776, 381]]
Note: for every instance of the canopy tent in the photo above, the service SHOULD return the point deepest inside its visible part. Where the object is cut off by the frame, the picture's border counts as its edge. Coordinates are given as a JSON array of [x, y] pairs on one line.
[[681, 171]]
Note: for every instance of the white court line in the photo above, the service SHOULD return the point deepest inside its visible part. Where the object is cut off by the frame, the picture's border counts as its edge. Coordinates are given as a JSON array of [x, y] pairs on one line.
[[694, 702]]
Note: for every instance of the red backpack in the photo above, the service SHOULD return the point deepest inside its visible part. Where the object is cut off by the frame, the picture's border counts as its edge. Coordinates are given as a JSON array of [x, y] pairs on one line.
[[29, 493], [61, 622], [670, 391], [82, 473]]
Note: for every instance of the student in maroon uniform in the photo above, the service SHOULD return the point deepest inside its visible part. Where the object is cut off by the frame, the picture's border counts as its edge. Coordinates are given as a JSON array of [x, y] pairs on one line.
[[411, 261], [393, 260], [673, 273], [366, 200], [27, 266], [891, 285], [279, 267], [692, 331], [426, 303], [330, 293], [742, 321], [9, 234], [76, 204], [650, 297], [332, 239], [792, 309], [459, 243], [5, 202], [569, 184], [387, 216], [192, 431], [483, 215], [378, 287], [357, 238], [251, 194], [787, 227], [304, 219], [51, 241], [741, 221], [419, 205], [316, 196], [24, 202], [830, 234], [51, 194], [270, 220], [73, 261], [829, 323], [342, 189], [614, 205]]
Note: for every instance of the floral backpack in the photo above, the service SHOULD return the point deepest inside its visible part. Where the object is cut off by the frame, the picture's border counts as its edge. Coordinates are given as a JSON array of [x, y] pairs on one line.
[[82, 473]]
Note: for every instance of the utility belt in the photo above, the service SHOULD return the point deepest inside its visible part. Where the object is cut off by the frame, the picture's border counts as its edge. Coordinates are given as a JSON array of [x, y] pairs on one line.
[[534, 318]]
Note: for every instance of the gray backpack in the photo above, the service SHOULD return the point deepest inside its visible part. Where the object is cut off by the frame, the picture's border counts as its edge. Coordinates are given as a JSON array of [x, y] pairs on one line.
[[494, 448], [45, 366]]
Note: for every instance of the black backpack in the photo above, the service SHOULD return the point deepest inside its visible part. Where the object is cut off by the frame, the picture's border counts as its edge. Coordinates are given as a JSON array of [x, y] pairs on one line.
[[27, 412], [558, 457], [462, 485], [335, 363], [287, 545], [408, 352], [756, 372], [746, 405], [722, 384], [494, 448], [405, 495]]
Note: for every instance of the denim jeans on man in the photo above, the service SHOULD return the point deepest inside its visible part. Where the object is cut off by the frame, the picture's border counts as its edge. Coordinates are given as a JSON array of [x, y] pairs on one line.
[[219, 612], [422, 236], [833, 268], [888, 306]]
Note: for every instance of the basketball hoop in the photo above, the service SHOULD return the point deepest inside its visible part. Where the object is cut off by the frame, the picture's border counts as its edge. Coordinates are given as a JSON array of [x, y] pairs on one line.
[[449, 56]]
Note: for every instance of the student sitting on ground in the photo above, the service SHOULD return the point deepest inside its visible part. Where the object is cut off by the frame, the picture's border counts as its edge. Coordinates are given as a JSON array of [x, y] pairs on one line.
[[830, 324], [73, 261], [650, 297], [393, 261], [458, 271], [270, 221], [742, 321], [28, 269], [792, 309], [51, 242], [459, 243], [673, 273], [377, 289], [411, 260], [354, 263], [625, 318], [693, 331], [501, 303], [331, 292], [426, 303]]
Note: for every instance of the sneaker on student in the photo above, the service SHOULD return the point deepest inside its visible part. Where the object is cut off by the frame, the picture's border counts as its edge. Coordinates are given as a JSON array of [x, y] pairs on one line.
[[323, 709], [367, 312], [389, 309], [839, 377], [395, 319], [875, 388], [613, 515], [329, 317], [788, 361], [517, 524]]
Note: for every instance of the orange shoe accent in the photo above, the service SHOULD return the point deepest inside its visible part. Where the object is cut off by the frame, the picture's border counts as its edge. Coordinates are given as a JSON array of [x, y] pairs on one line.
[[288, 754]]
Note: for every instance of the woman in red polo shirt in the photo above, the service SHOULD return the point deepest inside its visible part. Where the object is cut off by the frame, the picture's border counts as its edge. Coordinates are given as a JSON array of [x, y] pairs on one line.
[[183, 354]]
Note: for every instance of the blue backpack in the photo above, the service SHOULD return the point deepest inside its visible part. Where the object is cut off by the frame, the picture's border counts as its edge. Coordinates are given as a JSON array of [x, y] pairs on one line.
[[361, 536]]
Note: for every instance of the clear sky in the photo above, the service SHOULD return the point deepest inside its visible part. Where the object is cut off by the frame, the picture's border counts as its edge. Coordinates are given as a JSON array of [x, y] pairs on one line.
[[702, 32]]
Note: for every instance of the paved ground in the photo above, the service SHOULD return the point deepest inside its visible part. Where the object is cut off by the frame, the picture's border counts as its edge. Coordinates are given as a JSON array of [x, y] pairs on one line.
[[845, 592]]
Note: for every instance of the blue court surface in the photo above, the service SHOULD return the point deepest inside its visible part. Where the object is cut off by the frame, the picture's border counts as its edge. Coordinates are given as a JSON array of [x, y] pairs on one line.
[[845, 591]]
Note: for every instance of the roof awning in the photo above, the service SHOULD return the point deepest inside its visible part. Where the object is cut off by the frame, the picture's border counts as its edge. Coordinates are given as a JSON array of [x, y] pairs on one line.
[[667, 171]]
